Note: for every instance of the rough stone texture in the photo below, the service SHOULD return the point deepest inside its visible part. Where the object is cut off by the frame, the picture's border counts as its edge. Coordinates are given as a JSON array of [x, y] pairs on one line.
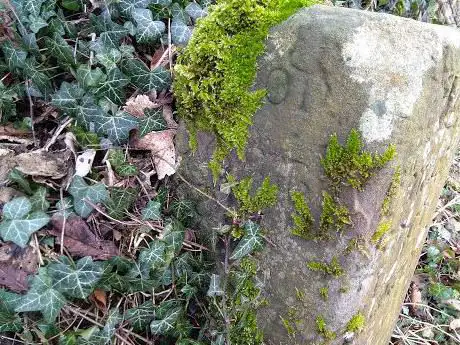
[[328, 70], [448, 12]]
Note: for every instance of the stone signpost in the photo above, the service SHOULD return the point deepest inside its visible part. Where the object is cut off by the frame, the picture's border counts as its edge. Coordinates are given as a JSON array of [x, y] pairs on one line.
[[393, 82]]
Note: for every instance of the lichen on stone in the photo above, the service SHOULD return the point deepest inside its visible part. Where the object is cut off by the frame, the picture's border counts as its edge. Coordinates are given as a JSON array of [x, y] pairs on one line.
[[215, 72], [350, 164], [356, 323], [303, 220], [333, 268]]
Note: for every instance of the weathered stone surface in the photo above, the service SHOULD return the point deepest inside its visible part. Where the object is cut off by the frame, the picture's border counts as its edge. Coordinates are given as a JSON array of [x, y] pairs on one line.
[[328, 70]]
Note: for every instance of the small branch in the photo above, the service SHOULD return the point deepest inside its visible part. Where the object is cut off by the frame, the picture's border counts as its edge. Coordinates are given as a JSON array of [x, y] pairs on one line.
[[58, 131], [31, 112], [61, 195]]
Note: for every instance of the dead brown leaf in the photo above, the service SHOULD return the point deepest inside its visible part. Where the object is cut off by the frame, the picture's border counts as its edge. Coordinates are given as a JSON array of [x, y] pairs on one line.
[[100, 298], [135, 106], [161, 145], [80, 240], [43, 163], [16, 264]]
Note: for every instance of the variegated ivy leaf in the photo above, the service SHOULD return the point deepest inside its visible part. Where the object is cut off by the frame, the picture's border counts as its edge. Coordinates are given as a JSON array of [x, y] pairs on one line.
[[61, 50], [15, 57], [152, 258], [161, 2], [145, 79], [183, 210], [89, 77], [127, 6], [250, 242], [39, 201], [152, 211], [39, 79], [174, 236], [82, 192], [140, 317], [67, 98], [18, 225], [148, 30], [195, 11], [42, 296], [114, 86], [152, 121], [36, 23], [75, 280], [105, 335], [17, 208], [33, 7], [109, 58], [178, 13], [9, 321], [180, 32], [117, 126], [64, 208], [120, 201], [215, 288], [167, 323]]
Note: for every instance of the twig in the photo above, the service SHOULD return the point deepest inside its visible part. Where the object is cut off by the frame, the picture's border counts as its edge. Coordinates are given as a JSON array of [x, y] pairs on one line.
[[37, 247], [106, 215], [58, 131], [224, 299], [31, 112], [61, 195]]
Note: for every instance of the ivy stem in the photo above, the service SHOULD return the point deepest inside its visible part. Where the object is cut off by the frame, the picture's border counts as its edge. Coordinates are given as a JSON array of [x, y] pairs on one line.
[[224, 298]]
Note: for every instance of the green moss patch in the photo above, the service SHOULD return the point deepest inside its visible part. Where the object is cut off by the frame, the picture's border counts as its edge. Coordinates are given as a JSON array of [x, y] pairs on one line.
[[324, 293], [322, 329], [334, 216], [356, 323], [303, 220], [214, 74], [333, 268], [349, 164]]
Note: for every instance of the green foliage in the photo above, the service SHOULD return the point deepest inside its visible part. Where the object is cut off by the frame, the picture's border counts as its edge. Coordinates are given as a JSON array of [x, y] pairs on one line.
[[334, 216], [82, 193], [349, 164], [333, 268], [382, 229], [250, 242], [391, 193], [217, 69], [324, 293], [265, 196], [118, 161], [120, 201], [303, 220], [356, 323], [19, 222], [152, 211], [322, 329]]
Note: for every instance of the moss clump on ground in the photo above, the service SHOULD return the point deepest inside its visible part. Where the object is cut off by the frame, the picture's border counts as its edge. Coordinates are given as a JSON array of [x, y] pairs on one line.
[[264, 197], [303, 220], [333, 268], [350, 164], [324, 293], [333, 216], [214, 74], [322, 329], [356, 323]]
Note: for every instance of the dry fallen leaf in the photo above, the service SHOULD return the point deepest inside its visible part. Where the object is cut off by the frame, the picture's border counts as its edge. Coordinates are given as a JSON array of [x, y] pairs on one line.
[[161, 145], [135, 106], [16, 264], [84, 162], [100, 298], [454, 324], [80, 240]]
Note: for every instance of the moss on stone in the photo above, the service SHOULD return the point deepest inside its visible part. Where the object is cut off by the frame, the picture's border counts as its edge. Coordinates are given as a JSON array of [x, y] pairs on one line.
[[333, 268], [350, 164], [214, 74], [334, 216], [356, 323], [303, 220], [391, 193], [264, 197], [324, 293], [383, 227], [322, 329]]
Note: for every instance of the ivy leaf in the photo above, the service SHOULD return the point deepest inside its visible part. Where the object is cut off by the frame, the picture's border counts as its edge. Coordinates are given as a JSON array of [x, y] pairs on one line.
[[60, 49], [19, 230], [39, 201], [152, 258], [143, 78], [67, 97], [215, 288], [9, 321], [195, 11], [43, 297], [113, 86], [19, 178], [88, 77], [183, 210], [127, 170], [127, 6], [105, 335], [141, 316], [152, 211], [109, 58], [120, 201], [17, 208], [180, 32], [148, 30], [14, 57], [112, 33], [167, 323], [39, 79], [33, 7], [152, 121], [75, 280], [178, 13], [174, 235], [36, 23], [117, 127], [81, 191], [250, 242]]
